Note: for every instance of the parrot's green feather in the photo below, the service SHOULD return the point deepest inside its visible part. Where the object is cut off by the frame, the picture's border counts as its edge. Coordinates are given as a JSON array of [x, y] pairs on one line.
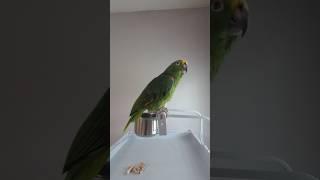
[[133, 117], [153, 97], [88, 152], [89, 167], [158, 92], [220, 47], [155, 94]]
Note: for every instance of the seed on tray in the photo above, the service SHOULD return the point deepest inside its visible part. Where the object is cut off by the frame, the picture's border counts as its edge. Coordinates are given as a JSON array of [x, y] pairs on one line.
[[129, 169], [136, 169]]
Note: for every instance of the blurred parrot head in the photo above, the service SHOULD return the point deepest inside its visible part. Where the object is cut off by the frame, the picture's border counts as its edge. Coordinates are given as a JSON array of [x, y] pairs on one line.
[[228, 22], [179, 66], [229, 18]]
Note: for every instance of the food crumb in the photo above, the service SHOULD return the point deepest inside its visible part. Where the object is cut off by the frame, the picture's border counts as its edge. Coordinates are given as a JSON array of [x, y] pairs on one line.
[[135, 169]]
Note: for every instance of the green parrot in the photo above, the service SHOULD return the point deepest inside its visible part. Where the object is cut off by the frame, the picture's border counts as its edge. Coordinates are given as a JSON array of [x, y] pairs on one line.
[[228, 22], [159, 91], [89, 151]]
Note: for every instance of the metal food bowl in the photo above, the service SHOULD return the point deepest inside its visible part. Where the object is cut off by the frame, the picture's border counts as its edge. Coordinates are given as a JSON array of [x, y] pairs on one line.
[[146, 125], [151, 124]]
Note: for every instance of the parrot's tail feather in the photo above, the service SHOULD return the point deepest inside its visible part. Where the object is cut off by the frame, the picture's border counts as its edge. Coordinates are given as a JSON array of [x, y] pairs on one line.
[[89, 167], [134, 116]]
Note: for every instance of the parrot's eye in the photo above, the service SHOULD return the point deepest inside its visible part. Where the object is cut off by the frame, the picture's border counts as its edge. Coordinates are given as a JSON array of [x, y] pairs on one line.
[[178, 63], [217, 5]]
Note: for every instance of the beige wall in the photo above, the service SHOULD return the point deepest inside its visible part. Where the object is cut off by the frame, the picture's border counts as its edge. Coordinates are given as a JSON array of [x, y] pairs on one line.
[[143, 44]]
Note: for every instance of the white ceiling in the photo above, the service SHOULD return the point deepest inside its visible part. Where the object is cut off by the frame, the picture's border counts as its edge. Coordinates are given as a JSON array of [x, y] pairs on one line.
[[148, 5]]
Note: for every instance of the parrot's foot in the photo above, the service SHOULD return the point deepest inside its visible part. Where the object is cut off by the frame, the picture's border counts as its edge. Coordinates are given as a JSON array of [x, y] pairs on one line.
[[163, 110]]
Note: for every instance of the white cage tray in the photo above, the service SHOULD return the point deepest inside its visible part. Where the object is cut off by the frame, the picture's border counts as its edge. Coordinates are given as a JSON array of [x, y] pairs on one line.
[[174, 156]]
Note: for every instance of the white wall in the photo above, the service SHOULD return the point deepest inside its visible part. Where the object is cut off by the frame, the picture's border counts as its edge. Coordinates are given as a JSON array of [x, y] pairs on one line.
[[143, 44]]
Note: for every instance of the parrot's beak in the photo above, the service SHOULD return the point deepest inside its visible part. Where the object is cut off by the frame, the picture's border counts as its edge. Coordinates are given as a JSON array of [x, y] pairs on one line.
[[239, 21], [185, 66]]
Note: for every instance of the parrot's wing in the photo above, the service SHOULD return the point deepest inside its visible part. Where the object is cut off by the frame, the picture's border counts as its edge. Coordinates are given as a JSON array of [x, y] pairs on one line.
[[91, 136], [158, 88]]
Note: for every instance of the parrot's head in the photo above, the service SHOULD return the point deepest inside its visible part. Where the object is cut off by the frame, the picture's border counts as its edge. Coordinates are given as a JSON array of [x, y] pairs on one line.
[[178, 67], [228, 22], [229, 18]]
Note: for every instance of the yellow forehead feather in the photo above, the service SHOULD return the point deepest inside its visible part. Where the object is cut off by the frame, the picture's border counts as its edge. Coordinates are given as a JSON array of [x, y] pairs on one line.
[[184, 61]]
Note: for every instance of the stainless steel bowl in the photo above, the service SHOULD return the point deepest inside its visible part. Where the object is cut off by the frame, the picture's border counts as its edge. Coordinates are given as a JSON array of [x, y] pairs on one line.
[[147, 125]]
